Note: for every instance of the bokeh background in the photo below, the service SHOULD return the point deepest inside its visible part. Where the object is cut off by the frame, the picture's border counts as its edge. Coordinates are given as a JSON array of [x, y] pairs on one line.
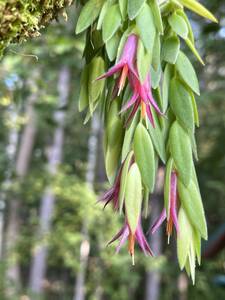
[[53, 235]]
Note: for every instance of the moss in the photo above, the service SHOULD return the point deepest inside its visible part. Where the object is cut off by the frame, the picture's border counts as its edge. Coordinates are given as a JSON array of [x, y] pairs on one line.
[[23, 19]]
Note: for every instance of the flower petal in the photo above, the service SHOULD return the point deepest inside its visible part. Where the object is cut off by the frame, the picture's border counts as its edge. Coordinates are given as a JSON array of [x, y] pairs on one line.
[[159, 221]]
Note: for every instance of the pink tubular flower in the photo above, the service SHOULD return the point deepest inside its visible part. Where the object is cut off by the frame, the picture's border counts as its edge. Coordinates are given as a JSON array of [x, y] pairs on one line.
[[172, 218], [126, 63], [112, 195], [142, 96], [125, 234]]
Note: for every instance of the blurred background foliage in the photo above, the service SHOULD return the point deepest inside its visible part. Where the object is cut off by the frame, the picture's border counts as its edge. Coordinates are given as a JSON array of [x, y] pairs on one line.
[[79, 227]]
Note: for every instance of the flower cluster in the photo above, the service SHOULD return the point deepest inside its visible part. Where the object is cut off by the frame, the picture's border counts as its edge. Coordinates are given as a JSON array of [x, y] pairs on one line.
[[141, 92]]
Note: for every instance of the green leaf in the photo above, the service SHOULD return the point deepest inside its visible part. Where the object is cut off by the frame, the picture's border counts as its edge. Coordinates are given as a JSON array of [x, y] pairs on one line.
[[123, 8], [184, 238], [157, 136], [129, 137], [111, 22], [102, 15], [197, 244], [83, 97], [170, 49], [181, 104], [112, 46], [156, 59], [180, 148], [146, 27], [112, 160], [199, 9], [169, 169], [155, 77], [191, 200], [143, 61], [146, 201], [133, 197], [194, 50], [145, 156], [134, 8], [95, 87], [157, 15], [88, 14], [168, 73], [123, 180], [190, 31], [187, 72], [195, 110], [178, 24], [114, 125]]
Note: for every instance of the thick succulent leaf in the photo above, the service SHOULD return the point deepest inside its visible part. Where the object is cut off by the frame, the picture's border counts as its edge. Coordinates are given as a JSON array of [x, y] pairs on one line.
[[167, 76], [111, 22], [129, 133], [123, 180], [197, 244], [145, 156], [194, 50], [112, 46], [123, 8], [179, 25], [199, 9], [133, 197], [155, 76], [170, 49], [181, 104], [158, 137], [157, 15], [134, 8], [191, 201], [187, 72], [184, 238], [146, 27], [169, 169], [88, 14], [95, 87], [143, 61], [83, 97], [156, 55], [102, 15], [180, 148], [195, 110], [190, 31]]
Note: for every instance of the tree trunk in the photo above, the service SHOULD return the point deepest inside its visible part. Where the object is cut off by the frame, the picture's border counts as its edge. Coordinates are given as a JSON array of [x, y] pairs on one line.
[[79, 289], [152, 289], [39, 257], [11, 155], [22, 164]]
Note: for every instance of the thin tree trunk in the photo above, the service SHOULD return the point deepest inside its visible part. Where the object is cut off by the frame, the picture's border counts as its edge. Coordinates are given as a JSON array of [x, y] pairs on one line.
[[153, 278], [39, 257], [79, 289], [11, 155], [22, 164]]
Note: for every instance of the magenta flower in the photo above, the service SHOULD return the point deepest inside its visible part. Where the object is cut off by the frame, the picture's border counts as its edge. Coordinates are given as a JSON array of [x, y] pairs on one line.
[[125, 234], [112, 195], [172, 218], [126, 63], [142, 97]]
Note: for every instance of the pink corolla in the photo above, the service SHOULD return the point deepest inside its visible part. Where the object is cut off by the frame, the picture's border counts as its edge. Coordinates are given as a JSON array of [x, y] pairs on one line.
[[112, 195], [172, 218], [126, 64], [125, 234], [142, 97]]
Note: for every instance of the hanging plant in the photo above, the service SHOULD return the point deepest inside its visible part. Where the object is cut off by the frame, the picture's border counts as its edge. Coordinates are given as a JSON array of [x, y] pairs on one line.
[[145, 87]]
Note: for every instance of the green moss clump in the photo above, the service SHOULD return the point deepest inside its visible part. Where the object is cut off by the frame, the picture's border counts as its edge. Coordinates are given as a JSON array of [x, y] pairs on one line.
[[22, 19]]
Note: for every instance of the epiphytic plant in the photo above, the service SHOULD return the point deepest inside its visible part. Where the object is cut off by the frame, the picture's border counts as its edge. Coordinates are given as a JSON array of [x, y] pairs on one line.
[[147, 101]]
